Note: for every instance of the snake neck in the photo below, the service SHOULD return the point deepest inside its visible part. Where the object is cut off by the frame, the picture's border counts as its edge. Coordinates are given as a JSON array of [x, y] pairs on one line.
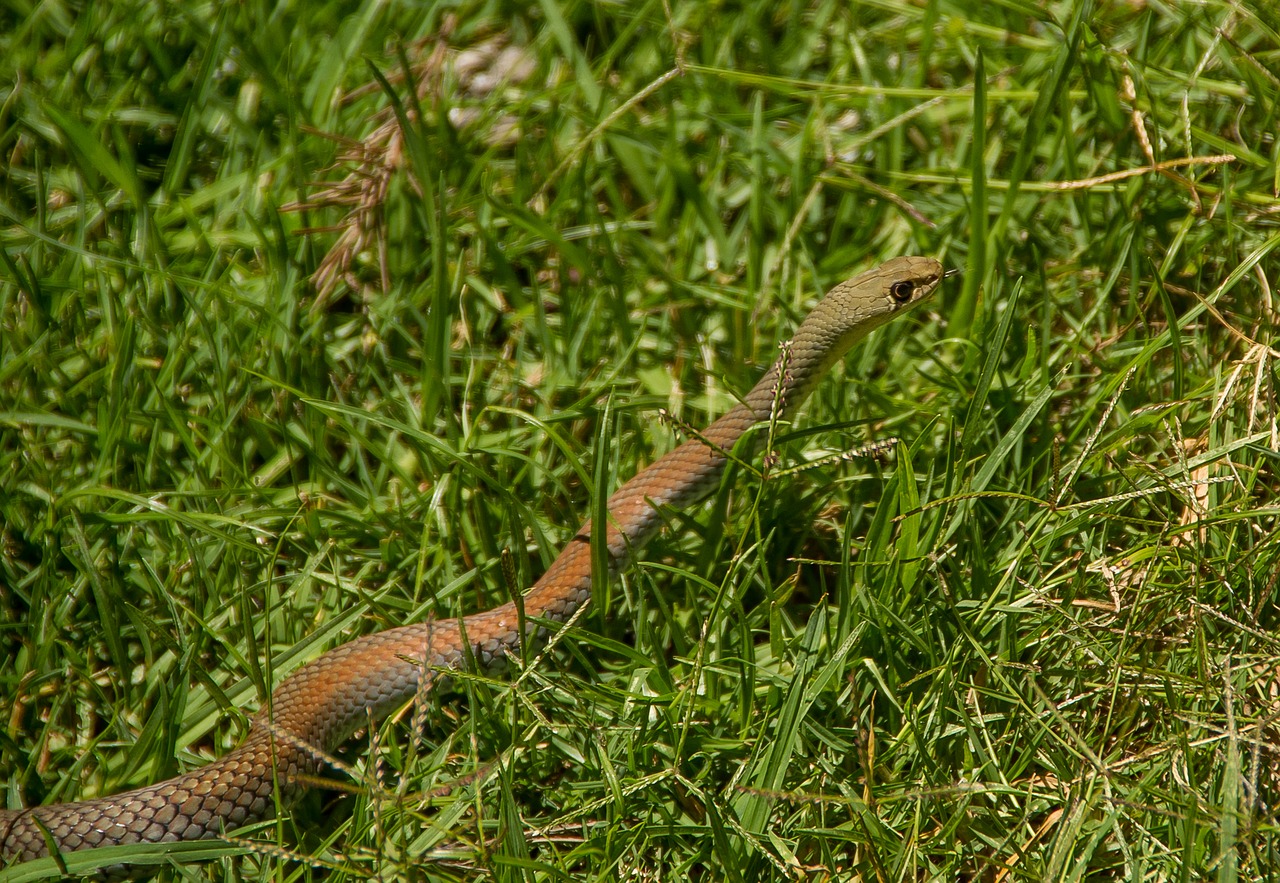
[[692, 471]]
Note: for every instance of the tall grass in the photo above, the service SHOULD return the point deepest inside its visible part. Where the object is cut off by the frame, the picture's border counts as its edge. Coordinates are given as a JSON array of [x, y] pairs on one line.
[[323, 318]]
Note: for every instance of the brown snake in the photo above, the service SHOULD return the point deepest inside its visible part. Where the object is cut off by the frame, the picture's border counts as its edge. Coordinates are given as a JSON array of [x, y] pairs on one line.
[[325, 701]]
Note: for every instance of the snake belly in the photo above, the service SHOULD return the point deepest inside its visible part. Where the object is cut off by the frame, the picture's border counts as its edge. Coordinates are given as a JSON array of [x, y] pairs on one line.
[[323, 703]]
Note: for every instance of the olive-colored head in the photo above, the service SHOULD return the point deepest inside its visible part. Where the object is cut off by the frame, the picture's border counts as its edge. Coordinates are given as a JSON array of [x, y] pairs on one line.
[[870, 299], [908, 280], [861, 304]]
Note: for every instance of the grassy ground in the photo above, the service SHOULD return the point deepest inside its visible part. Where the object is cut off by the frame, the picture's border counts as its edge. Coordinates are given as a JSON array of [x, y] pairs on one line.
[[276, 370]]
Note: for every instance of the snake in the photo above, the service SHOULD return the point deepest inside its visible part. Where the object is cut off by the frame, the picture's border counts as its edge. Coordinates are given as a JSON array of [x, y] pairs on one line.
[[328, 699]]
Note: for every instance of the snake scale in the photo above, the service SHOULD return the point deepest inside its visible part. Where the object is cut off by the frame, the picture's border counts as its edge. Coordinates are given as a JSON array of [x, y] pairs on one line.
[[325, 701]]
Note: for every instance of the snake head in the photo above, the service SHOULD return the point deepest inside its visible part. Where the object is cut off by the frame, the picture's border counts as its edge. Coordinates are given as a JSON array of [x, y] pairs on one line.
[[907, 281]]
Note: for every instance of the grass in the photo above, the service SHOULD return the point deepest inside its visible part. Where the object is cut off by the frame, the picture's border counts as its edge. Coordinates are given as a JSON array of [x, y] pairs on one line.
[[1038, 642]]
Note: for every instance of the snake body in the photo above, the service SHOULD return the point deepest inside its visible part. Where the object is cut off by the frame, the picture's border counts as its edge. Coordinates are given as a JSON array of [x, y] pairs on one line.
[[324, 702]]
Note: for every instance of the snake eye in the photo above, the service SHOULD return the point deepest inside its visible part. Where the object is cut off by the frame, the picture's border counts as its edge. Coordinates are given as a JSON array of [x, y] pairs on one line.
[[902, 291]]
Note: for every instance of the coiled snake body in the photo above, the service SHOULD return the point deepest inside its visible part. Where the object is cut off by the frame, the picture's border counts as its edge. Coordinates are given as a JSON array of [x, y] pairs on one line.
[[323, 703]]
